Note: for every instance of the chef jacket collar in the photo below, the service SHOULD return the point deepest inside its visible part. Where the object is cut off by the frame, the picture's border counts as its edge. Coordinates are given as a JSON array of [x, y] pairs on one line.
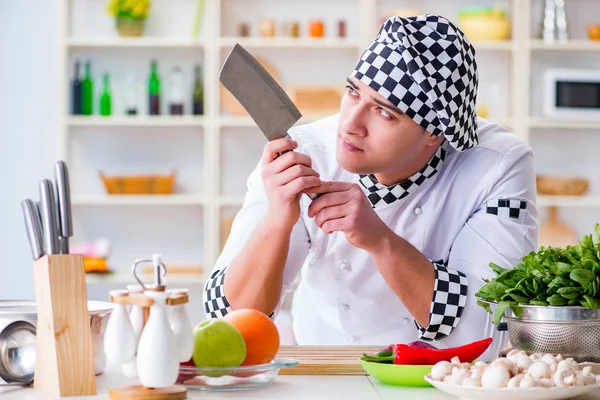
[[380, 194]]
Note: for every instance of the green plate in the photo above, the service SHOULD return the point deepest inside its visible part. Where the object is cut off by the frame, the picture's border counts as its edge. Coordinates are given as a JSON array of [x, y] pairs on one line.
[[398, 375]]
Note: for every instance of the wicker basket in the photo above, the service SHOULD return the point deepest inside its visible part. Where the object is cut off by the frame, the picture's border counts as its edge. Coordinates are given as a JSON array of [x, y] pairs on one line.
[[561, 186], [139, 184]]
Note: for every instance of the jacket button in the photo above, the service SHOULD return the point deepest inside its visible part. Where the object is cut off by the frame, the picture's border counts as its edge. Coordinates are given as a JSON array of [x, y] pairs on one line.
[[405, 321], [345, 266], [418, 211], [346, 307]]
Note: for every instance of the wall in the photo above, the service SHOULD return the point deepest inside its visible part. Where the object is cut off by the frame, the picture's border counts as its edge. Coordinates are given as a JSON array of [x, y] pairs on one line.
[[29, 54]]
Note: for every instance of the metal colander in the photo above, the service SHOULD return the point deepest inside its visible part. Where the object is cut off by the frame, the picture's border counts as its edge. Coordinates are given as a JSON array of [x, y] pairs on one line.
[[569, 331]]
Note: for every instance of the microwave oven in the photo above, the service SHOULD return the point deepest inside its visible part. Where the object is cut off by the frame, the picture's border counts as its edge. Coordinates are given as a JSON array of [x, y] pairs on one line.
[[572, 93]]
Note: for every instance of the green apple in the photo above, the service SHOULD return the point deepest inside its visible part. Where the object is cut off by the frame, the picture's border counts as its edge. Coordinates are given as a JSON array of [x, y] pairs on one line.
[[218, 344]]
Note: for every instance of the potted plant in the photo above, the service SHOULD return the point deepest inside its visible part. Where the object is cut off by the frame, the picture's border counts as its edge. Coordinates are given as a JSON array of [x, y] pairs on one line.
[[130, 15]]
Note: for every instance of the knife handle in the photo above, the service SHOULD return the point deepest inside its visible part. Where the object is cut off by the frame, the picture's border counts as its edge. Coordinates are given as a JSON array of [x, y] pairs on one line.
[[33, 228], [49, 219], [63, 193], [311, 195]]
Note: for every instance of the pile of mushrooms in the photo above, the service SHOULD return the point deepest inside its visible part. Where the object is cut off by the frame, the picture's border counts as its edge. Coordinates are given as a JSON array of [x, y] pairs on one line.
[[516, 370]]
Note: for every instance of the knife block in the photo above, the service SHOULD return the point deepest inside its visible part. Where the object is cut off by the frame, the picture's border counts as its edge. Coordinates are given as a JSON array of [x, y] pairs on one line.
[[64, 351]]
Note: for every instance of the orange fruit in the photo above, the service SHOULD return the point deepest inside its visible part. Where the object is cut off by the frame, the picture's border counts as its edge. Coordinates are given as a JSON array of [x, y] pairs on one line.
[[259, 332]]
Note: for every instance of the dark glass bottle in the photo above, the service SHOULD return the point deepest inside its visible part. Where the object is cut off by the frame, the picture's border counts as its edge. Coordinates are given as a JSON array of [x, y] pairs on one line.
[[105, 97], [198, 95], [76, 91], [154, 90], [87, 91]]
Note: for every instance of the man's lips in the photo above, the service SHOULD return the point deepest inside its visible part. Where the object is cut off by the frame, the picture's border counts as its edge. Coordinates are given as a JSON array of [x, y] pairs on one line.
[[349, 146]]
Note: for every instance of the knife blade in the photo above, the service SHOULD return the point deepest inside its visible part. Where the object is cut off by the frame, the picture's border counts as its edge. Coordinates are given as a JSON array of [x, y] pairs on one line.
[[49, 219], [33, 227], [259, 93], [63, 193]]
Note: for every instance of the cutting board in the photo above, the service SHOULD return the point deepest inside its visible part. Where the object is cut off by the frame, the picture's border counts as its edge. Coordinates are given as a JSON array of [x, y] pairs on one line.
[[325, 360], [554, 233]]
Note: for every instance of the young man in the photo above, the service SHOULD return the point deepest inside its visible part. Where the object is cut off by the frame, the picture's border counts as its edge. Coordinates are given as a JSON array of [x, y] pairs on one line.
[[418, 196]]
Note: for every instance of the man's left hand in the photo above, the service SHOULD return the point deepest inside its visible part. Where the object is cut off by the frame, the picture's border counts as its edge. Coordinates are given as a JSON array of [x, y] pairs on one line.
[[344, 207]]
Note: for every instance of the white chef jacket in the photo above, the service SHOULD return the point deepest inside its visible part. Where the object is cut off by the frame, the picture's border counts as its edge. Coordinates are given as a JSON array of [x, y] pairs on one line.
[[480, 207]]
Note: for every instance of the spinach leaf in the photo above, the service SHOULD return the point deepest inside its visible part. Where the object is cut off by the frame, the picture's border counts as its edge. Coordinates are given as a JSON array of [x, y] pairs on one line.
[[582, 276]]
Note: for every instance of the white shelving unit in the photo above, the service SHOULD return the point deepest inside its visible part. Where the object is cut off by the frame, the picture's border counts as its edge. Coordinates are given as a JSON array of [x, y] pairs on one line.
[[212, 197]]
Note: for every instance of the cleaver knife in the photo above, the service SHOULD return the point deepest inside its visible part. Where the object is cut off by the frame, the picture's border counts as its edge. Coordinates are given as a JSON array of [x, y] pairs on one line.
[[259, 93]]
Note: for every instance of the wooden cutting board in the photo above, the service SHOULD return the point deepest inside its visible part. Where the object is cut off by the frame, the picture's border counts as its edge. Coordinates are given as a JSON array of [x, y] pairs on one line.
[[554, 233], [325, 360]]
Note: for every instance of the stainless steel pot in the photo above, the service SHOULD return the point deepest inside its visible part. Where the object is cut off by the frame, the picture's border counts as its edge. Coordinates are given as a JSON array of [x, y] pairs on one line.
[[18, 319]]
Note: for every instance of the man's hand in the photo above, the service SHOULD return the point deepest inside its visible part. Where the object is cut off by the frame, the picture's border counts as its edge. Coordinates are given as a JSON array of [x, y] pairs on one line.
[[286, 176], [344, 207]]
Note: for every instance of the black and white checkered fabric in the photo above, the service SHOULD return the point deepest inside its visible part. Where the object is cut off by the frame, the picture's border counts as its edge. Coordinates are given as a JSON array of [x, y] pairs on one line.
[[426, 67], [507, 208], [215, 303], [382, 194], [449, 300]]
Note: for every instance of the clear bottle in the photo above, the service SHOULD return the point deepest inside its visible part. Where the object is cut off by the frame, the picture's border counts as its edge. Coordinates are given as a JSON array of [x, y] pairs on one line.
[[131, 107], [176, 92]]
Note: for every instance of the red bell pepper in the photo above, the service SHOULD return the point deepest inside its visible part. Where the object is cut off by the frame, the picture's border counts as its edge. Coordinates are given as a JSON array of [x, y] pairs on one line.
[[419, 353], [407, 355]]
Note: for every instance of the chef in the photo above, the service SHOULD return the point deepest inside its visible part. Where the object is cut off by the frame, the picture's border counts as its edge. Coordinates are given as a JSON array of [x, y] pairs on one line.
[[417, 195]]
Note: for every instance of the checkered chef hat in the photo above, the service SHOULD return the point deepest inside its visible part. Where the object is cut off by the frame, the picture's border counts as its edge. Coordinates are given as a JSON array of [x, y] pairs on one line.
[[426, 67]]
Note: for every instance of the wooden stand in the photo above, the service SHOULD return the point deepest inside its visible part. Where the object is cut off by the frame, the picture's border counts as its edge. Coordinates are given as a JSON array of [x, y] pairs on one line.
[[64, 351], [139, 392]]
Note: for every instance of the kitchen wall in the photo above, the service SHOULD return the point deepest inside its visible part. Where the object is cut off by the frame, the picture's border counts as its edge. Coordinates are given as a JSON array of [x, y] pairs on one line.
[[29, 44]]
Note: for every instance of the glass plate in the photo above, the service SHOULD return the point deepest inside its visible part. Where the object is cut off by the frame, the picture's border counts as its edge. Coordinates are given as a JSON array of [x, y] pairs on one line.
[[229, 379]]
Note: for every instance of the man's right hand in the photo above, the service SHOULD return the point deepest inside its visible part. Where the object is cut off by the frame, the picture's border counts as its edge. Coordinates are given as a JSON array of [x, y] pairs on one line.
[[285, 178]]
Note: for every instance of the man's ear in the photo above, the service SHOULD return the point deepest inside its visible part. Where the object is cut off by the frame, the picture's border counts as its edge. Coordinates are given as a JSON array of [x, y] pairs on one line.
[[433, 140]]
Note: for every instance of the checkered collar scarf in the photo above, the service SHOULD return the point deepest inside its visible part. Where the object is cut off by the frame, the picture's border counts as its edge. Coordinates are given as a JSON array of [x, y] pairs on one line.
[[426, 67], [379, 194]]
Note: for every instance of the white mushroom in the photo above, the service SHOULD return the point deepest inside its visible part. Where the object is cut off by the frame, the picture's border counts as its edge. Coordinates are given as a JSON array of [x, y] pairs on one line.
[[559, 358], [472, 382], [440, 370], [559, 378], [477, 373], [567, 365], [587, 370], [572, 380], [495, 377], [536, 356], [527, 382], [549, 359], [458, 376], [515, 381], [509, 365], [540, 370], [546, 382], [523, 362], [455, 360]]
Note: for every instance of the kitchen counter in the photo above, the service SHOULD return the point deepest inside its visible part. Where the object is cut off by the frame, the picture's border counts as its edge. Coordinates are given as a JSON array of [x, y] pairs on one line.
[[285, 387]]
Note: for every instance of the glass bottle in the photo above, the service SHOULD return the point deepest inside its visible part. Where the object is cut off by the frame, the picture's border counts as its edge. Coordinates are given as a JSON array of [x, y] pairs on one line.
[[154, 90], [87, 91], [176, 92], [198, 95], [76, 91], [131, 97], [105, 97]]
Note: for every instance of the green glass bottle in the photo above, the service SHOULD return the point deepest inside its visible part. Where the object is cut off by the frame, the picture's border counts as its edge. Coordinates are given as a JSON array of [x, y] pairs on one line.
[[105, 98], [154, 90], [198, 95], [87, 91]]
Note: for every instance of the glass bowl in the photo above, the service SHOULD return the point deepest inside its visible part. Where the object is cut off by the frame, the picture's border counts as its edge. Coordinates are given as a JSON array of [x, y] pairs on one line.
[[230, 379]]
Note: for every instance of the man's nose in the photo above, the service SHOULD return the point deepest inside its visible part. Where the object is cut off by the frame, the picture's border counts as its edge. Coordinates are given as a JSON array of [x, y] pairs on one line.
[[355, 122]]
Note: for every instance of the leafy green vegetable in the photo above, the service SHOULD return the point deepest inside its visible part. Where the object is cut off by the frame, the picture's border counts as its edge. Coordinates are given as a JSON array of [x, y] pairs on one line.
[[551, 276]]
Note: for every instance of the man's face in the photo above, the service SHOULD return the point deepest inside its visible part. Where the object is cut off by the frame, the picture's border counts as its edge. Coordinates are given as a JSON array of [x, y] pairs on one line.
[[375, 137]]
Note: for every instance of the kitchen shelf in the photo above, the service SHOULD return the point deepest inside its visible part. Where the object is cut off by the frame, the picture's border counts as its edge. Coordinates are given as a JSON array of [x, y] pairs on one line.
[[285, 42], [571, 45], [491, 45], [541, 122], [127, 278], [233, 201], [133, 43], [139, 200], [568, 201], [136, 121]]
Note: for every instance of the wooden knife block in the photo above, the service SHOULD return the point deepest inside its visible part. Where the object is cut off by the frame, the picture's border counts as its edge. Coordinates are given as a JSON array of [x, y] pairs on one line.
[[64, 351]]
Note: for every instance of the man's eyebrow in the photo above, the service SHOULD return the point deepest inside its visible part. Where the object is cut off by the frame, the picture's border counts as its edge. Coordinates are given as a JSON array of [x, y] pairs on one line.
[[354, 85], [388, 106]]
